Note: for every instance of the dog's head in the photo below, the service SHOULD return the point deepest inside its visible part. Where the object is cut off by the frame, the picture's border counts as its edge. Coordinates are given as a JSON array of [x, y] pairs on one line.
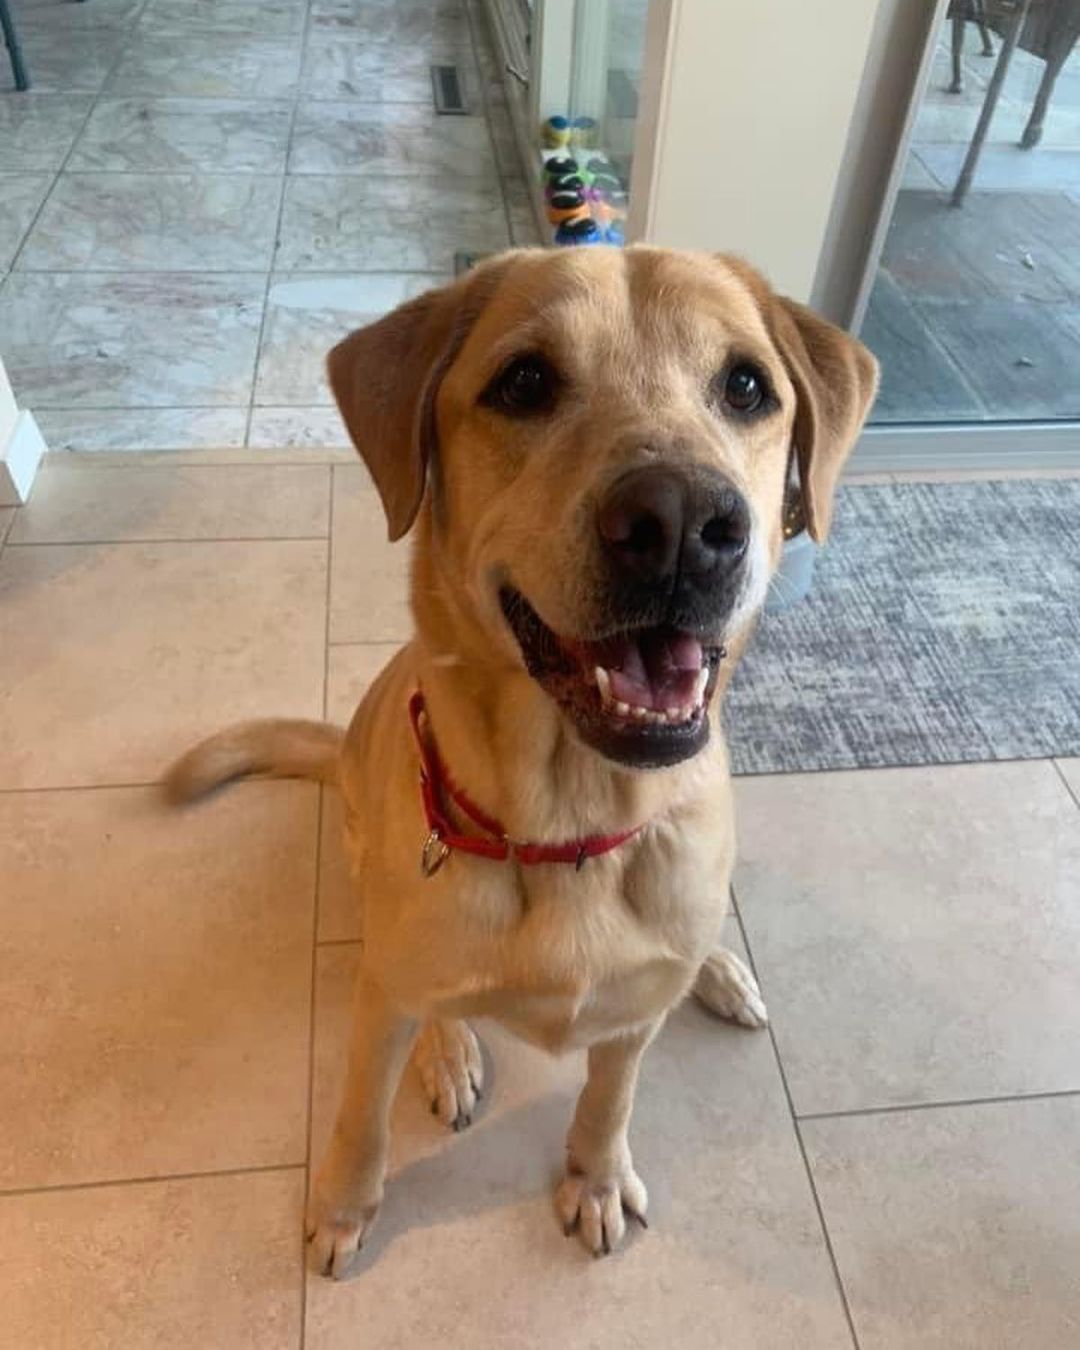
[[597, 443]]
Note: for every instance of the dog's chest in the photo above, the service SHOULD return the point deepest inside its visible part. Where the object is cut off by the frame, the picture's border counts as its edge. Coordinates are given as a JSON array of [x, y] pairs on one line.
[[565, 958]]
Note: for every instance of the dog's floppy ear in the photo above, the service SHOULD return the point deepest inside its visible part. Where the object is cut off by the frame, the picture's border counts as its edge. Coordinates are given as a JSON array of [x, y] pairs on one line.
[[835, 380], [385, 378]]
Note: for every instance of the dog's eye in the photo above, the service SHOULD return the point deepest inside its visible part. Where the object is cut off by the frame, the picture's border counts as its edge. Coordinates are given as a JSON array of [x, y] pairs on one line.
[[526, 385], [745, 389]]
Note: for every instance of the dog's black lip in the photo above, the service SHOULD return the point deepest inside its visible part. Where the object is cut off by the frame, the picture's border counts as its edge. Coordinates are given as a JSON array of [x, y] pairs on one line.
[[641, 745]]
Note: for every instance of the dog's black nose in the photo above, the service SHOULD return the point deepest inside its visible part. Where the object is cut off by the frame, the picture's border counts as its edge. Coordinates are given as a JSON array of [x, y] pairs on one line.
[[657, 522]]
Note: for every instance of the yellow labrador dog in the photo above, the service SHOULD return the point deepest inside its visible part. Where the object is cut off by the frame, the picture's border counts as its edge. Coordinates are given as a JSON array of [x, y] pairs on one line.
[[590, 448]]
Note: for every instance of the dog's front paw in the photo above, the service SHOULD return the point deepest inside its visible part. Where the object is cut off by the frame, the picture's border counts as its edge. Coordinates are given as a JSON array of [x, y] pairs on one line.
[[447, 1056], [598, 1206], [339, 1216], [726, 985]]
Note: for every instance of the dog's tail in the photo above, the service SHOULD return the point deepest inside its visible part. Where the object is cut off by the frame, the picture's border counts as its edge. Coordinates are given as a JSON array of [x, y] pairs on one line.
[[276, 748]]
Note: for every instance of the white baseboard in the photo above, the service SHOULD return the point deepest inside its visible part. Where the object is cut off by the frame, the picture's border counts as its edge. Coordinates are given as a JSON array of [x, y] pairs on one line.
[[19, 460]]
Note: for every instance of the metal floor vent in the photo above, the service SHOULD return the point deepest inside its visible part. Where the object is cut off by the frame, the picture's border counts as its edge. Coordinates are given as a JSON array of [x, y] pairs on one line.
[[446, 91]]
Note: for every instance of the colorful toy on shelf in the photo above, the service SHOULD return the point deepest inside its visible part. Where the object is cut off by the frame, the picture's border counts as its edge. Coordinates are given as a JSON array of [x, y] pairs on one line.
[[614, 233], [583, 230], [566, 206], [599, 164], [566, 182], [586, 202], [555, 132], [556, 166], [583, 131]]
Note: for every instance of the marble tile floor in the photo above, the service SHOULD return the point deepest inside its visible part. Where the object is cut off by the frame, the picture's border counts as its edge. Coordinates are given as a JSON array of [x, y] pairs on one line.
[[180, 166], [890, 1167]]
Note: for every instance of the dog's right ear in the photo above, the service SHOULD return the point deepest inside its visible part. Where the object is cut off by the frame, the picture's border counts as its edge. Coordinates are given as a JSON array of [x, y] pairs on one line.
[[385, 378]]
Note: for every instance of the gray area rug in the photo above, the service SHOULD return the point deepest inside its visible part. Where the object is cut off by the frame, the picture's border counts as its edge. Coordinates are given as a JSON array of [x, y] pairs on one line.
[[943, 627]]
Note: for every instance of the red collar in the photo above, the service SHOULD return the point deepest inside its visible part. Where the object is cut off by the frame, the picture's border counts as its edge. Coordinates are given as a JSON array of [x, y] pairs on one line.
[[443, 839]]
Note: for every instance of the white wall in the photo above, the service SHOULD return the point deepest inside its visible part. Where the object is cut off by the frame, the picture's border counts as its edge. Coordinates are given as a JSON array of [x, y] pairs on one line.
[[750, 121]]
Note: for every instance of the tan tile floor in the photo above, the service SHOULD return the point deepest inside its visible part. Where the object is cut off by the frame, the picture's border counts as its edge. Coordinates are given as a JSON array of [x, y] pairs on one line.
[[893, 1167]]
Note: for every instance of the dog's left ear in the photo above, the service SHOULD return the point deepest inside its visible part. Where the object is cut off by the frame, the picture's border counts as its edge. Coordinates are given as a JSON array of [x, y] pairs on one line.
[[385, 378], [835, 379]]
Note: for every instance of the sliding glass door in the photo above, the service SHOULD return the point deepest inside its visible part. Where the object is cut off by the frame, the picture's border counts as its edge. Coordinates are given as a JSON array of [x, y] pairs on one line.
[[974, 308]]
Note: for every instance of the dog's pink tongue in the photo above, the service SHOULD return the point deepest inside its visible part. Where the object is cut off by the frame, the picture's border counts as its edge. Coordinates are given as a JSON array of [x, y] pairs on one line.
[[654, 670]]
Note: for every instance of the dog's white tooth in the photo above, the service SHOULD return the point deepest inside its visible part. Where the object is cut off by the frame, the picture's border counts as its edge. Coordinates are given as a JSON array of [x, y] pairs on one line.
[[623, 709], [699, 686], [603, 683], [651, 716], [639, 713]]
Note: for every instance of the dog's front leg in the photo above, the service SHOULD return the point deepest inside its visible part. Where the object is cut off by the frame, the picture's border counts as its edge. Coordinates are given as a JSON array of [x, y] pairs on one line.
[[601, 1186], [349, 1187]]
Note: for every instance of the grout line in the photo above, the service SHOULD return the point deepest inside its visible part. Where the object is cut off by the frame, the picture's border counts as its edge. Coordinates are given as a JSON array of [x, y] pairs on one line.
[[315, 932], [155, 539], [1065, 781], [285, 175], [128, 787], [94, 100], [16, 1191], [943, 1105], [78, 787], [822, 770], [827, 1237], [340, 942]]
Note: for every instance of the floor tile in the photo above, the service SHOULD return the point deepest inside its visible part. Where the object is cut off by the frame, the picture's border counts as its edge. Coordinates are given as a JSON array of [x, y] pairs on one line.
[[350, 669], [1070, 771], [75, 62], [114, 341], [1001, 246], [116, 657], [170, 135], [111, 429], [154, 222], [158, 980], [76, 503], [368, 574], [917, 177], [22, 195], [184, 18], [342, 68], [1007, 168], [398, 140], [306, 315], [386, 224], [1025, 353], [919, 381], [416, 26], [468, 1238], [37, 130], [167, 1265], [214, 65], [62, 15], [305, 428], [916, 931], [956, 1229]]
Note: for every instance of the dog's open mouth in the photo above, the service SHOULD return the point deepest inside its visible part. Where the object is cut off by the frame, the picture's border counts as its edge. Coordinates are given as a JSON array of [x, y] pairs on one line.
[[639, 696]]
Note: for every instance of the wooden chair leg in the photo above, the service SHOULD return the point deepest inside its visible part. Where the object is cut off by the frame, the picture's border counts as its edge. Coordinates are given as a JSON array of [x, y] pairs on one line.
[[958, 22], [993, 93], [984, 31], [11, 40], [1034, 129]]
